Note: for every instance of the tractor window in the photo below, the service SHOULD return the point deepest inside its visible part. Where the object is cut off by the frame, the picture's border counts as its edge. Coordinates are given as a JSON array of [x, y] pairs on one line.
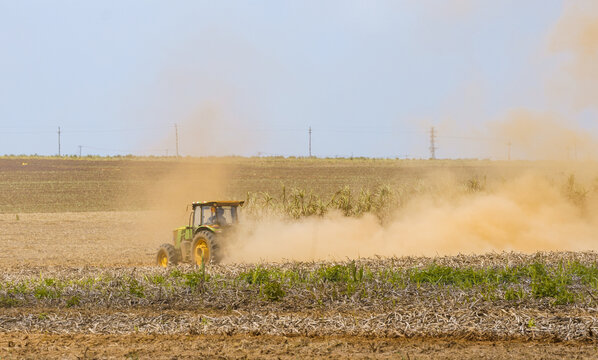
[[218, 215], [234, 212], [223, 215], [205, 215], [197, 216]]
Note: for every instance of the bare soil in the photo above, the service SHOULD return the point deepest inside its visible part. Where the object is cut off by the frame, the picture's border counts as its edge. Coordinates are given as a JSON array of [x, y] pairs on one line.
[[35, 185], [21, 345], [79, 239]]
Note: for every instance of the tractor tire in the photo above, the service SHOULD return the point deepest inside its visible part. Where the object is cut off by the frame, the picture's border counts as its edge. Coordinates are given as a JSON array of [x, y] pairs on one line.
[[167, 256], [204, 248]]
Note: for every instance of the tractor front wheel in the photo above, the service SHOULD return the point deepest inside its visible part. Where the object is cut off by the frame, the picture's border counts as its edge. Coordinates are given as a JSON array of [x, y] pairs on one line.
[[167, 256], [203, 248]]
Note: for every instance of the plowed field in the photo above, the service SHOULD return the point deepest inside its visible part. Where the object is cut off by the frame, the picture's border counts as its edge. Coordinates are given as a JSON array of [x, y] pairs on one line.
[[77, 278]]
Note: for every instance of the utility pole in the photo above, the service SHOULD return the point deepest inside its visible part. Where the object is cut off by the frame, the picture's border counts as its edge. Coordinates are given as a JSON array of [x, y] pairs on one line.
[[80, 146], [59, 141], [432, 143], [176, 134], [309, 141], [509, 154]]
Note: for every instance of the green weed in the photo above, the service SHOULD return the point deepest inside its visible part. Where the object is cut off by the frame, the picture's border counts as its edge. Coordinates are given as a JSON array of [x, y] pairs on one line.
[[512, 294], [45, 292], [193, 279], [7, 301], [136, 288], [73, 301], [272, 290], [335, 273], [258, 276]]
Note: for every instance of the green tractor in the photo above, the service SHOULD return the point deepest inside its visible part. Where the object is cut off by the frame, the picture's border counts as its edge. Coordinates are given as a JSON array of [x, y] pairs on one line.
[[197, 243]]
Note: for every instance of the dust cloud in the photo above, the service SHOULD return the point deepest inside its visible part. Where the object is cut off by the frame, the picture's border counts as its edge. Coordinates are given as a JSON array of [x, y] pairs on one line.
[[544, 136], [212, 129], [171, 192], [548, 134], [576, 37], [551, 115], [526, 214]]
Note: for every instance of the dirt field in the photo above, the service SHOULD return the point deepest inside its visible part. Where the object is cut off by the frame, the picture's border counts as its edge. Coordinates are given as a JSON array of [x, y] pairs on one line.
[[34, 185], [140, 346], [78, 239], [73, 222]]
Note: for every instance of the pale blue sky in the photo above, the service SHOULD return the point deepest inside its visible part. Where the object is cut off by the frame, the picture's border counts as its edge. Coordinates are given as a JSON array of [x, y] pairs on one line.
[[249, 77]]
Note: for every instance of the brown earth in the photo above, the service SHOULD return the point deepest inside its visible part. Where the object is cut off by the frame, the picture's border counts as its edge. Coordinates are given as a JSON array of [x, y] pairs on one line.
[[78, 239], [35, 185], [140, 346]]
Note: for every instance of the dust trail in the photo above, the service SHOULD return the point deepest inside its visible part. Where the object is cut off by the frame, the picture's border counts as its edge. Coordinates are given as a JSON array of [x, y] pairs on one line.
[[169, 194], [543, 136], [576, 36], [526, 214]]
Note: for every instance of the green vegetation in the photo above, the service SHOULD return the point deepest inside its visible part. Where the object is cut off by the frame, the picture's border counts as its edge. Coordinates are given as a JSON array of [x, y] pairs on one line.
[[561, 283], [136, 288], [272, 290], [257, 275], [7, 301], [73, 301]]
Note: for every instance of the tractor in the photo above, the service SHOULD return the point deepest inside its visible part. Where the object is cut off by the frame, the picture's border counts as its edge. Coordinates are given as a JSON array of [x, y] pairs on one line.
[[197, 243]]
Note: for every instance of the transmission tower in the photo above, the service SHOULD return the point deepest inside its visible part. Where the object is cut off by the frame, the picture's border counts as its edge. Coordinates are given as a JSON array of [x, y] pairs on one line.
[[433, 147]]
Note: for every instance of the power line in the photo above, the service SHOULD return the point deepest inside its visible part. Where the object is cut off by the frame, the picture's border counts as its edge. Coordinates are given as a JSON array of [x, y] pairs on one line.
[[121, 150], [433, 136], [99, 131], [356, 130], [481, 138], [27, 132], [10, 131]]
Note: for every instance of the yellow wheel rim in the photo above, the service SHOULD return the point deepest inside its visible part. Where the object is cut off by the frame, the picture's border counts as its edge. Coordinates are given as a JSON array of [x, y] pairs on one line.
[[163, 259], [201, 252]]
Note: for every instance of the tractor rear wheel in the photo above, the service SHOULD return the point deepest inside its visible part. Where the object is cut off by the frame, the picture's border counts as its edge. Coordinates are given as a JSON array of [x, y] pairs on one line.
[[203, 248], [167, 256]]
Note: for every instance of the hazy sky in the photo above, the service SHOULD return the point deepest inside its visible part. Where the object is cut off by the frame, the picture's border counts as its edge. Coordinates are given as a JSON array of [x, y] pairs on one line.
[[248, 77]]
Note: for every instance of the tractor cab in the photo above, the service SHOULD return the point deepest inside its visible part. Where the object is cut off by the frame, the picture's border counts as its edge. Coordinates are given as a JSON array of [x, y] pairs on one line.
[[215, 213]]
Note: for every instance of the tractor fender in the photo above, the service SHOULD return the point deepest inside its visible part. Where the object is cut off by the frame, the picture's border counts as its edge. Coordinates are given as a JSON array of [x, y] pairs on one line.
[[213, 229]]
